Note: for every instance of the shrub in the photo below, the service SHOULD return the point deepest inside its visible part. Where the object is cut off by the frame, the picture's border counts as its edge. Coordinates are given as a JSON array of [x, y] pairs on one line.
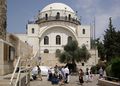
[[115, 69], [108, 70]]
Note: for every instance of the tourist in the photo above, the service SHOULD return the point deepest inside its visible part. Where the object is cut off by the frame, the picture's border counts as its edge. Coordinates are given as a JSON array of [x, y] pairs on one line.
[[101, 72], [55, 79], [87, 74], [56, 69], [81, 74], [49, 74], [66, 70], [34, 73], [39, 73], [90, 75]]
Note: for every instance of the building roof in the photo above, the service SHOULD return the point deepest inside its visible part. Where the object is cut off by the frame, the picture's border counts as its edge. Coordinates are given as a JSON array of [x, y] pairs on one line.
[[57, 6]]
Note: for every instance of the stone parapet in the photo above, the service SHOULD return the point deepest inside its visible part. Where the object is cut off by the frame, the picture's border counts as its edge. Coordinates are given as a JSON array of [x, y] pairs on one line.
[[103, 82]]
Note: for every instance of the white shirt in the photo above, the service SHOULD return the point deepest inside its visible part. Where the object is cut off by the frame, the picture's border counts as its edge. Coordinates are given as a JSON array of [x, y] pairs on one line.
[[66, 70]]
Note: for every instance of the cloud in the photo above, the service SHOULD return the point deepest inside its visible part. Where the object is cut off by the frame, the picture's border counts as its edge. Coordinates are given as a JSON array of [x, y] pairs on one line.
[[102, 10]]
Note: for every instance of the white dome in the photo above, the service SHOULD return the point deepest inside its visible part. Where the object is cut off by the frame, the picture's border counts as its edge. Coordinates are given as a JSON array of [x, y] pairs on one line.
[[57, 6]]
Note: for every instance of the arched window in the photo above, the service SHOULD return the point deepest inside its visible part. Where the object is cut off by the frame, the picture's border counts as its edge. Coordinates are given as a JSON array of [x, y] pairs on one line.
[[69, 39], [46, 51], [69, 17], [46, 16], [58, 40], [58, 51], [46, 40], [83, 31], [58, 15], [33, 30]]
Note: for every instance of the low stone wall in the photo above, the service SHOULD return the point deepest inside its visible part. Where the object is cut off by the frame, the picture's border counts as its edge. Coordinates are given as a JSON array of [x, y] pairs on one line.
[[103, 82]]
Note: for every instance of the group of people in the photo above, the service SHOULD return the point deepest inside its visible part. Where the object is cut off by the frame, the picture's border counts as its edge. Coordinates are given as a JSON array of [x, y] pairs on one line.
[[88, 75], [59, 76]]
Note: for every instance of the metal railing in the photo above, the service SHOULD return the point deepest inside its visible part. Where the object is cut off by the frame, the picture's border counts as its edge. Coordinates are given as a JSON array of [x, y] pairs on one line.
[[18, 65], [18, 74], [13, 75], [56, 18]]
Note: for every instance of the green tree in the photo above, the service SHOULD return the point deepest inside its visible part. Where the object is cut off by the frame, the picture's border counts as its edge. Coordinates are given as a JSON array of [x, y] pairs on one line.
[[73, 53], [101, 50], [110, 41]]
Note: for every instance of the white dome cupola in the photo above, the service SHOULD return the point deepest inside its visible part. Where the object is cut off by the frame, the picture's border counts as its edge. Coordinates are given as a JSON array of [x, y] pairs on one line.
[[57, 11], [57, 6]]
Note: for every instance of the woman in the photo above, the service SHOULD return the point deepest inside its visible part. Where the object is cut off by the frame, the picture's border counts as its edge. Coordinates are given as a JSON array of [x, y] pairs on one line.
[[81, 76]]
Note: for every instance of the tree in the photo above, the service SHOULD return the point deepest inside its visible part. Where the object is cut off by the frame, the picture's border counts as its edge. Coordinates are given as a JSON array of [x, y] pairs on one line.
[[101, 49], [110, 41], [73, 53]]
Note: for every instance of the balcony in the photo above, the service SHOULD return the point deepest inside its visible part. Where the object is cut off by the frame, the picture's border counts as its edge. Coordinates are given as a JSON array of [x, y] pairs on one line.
[[57, 18]]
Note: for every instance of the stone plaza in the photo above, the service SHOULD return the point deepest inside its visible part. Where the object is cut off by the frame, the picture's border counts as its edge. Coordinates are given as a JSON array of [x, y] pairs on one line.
[[73, 82]]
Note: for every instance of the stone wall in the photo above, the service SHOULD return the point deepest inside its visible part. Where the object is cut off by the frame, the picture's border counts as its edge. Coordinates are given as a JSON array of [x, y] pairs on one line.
[[6, 63], [103, 82]]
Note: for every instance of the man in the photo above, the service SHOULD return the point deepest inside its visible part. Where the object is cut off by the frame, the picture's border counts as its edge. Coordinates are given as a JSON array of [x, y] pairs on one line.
[[101, 72], [66, 70], [39, 73]]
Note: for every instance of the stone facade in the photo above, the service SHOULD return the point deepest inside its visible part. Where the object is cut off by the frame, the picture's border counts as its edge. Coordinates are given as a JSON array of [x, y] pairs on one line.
[[55, 23], [3, 19], [10, 50]]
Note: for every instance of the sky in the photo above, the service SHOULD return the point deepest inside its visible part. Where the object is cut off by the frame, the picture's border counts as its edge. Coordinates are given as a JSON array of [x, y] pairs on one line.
[[20, 11]]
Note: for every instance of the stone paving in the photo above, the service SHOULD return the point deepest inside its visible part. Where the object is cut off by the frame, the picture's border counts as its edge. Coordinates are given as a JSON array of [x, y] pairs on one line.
[[73, 82]]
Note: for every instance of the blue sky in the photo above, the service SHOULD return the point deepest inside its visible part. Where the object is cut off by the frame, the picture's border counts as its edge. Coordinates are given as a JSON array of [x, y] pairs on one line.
[[20, 11]]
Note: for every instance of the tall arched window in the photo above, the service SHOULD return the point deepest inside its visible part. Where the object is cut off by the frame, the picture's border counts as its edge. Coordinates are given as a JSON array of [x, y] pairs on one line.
[[58, 40], [33, 30], [46, 40], [69, 17], [46, 16], [46, 51], [69, 39], [58, 15], [83, 31]]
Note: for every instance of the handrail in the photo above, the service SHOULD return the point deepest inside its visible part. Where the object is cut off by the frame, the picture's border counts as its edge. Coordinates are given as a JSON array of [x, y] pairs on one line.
[[16, 66], [18, 76], [19, 72]]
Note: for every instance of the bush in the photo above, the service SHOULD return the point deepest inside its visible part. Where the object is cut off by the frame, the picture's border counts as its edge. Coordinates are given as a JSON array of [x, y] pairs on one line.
[[115, 69], [95, 69], [108, 70]]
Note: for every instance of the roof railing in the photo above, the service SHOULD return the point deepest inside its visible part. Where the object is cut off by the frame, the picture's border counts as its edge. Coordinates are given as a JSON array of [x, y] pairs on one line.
[[56, 18]]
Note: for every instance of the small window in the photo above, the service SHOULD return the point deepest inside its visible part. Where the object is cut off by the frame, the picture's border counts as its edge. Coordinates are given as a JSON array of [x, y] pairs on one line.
[[25, 41], [82, 64], [69, 17], [58, 15], [46, 51], [83, 31], [46, 16], [33, 30]]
